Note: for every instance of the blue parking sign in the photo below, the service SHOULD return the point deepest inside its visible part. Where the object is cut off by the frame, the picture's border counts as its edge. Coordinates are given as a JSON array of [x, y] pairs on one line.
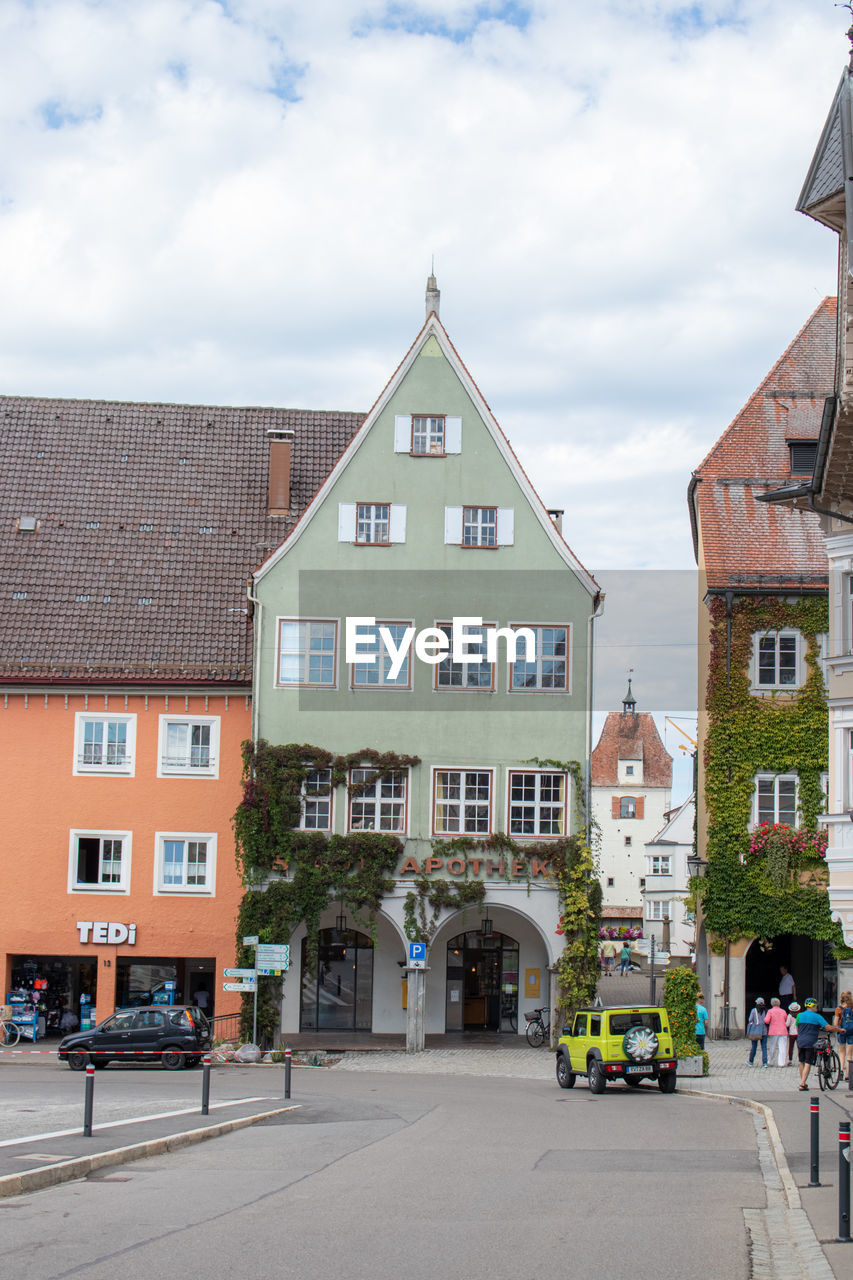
[[417, 955]]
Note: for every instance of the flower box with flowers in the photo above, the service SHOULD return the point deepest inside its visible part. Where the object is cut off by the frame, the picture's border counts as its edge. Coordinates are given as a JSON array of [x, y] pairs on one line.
[[783, 850]]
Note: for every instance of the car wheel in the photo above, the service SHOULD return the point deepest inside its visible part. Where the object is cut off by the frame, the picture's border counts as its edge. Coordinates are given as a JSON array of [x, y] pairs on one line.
[[565, 1076], [595, 1076], [667, 1081], [640, 1044], [78, 1059], [173, 1058]]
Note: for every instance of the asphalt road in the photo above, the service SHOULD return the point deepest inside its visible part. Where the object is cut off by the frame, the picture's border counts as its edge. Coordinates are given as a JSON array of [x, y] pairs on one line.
[[397, 1177]]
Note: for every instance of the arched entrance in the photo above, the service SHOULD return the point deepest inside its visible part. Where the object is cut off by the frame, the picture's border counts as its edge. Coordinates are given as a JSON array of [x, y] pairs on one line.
[[337, 982], [482, 982]]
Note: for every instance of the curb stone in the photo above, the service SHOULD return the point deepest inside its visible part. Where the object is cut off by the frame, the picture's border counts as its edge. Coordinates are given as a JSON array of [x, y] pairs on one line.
[[16, 1184]]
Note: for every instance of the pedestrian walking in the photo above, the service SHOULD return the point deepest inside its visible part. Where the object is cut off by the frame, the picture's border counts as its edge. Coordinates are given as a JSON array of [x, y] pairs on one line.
[[844, 1017], [787, 987], [809, 1026], [701, 1020], [624, 959], [756, 1029], [610, 948], [776, 1020], [793, 1010]]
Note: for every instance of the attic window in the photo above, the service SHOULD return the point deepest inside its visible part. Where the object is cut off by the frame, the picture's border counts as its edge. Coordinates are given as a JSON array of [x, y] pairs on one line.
[[27, 524], [145, 600], [82, 599], [803, 456], [206, 528], [19, 595], [146, 528], [93, 524]]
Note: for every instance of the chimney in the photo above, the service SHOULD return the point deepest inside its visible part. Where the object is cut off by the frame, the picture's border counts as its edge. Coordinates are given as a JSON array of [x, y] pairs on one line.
[[556, 514], [433, 297], [281, 446]]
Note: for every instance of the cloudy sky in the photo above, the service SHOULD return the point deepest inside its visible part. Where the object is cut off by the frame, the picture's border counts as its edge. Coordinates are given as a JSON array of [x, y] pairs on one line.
[[238, 202]]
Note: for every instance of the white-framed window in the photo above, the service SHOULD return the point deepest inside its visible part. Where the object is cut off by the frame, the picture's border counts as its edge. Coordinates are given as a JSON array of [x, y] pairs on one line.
[[185, 863], [775, 799], [189, 747], [660, 864], [462, 802], [381, 801], [104, 743], [371, 524], [548, 672], [316, 805], [629, 770], [377, 674], [537, 803], [627, 807], [473, 673], [479, 526], [658, 910], [99, 862], [427, 435], [777, 660], [629, 840], [307, 653]]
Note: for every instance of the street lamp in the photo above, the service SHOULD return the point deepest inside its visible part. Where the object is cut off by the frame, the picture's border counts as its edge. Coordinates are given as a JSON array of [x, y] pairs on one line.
[[697, 867]]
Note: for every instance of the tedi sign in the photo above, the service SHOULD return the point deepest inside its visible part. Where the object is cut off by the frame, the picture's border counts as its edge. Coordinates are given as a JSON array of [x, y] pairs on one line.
[[432, 644], [107, 932]]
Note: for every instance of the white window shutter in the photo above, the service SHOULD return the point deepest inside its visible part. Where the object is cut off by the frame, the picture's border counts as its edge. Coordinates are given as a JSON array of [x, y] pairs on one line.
[[402, 433], [346, 522], [452, 435], [453, 526], [397, 524], [506, 526]]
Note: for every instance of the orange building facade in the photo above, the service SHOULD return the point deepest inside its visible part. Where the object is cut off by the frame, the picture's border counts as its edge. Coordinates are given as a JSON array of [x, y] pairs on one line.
[[119, 875]]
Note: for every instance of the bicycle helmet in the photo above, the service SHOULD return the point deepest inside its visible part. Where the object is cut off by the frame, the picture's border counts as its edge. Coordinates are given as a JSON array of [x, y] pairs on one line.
[[811, 1003]]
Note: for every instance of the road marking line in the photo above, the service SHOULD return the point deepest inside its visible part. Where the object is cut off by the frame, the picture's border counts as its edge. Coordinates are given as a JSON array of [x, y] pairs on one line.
[[113, 1124]]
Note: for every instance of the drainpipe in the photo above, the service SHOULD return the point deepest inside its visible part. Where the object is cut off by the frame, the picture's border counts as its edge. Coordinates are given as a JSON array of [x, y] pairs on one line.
[[257, 609], [597, 612], [729, 602]]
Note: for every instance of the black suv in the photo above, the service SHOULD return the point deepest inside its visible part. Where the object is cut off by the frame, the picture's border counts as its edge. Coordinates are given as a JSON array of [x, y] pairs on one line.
[[176, 1035]]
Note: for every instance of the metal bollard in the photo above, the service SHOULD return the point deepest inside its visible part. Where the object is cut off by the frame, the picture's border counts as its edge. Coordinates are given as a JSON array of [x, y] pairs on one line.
[[205, 1086], [843, 1236], [814, 1108], [287, 1073], [88, 1100]]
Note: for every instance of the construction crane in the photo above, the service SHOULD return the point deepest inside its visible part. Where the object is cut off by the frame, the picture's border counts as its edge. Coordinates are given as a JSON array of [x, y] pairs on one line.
[[681, 746]]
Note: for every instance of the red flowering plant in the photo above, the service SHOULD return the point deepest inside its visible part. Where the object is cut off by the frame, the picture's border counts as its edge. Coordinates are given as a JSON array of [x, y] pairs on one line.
[[783, 849], [624, 933]]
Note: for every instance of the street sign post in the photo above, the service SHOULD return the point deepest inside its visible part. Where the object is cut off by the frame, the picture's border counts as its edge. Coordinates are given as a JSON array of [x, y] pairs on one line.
[[417, 955], [244, 987], [239, 973], [273, 955]]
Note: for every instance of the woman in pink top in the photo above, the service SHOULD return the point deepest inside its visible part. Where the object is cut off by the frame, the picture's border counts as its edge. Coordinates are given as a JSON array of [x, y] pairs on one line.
[[777, 1034]]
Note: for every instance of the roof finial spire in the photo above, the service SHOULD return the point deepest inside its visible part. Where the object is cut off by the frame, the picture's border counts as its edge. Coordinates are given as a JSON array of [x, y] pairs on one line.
[[849, 8], [433, 296], [629, 702]]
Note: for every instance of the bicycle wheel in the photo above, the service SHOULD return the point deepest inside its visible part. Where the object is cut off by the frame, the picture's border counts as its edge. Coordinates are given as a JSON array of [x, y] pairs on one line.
[[823, 1071], [10, 1034], [535, 1034], [833, 1070]]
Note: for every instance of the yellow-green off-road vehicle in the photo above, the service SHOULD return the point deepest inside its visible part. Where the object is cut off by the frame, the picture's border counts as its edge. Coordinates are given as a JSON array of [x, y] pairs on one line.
[[631, 1044]]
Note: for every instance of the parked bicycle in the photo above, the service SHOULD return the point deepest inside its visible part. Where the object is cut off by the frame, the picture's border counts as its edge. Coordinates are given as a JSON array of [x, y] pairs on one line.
[[9, 1034], [538, 1027], [828, 1064]]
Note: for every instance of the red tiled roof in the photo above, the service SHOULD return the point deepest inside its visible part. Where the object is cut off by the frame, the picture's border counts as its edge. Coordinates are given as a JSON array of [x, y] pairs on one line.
[[630, 736], [750, 544], [95, 475]]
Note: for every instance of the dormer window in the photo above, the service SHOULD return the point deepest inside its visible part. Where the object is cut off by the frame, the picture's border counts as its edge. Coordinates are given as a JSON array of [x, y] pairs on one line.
[[427, 435], [803, 456]]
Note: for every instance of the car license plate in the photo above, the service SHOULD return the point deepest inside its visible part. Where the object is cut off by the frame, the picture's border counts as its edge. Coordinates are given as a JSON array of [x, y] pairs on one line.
[[638, 1071]]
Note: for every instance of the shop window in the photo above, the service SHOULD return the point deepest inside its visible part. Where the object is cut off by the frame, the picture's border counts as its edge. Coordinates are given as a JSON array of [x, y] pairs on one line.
[[337, 982], [99, 862], [186, 863]]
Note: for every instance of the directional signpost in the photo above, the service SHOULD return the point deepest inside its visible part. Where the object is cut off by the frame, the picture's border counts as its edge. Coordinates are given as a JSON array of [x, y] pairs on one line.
[[416, 965], [270, 959]]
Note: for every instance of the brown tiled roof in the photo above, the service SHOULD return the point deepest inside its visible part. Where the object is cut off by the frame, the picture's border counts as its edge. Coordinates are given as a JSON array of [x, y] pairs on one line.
[[755, 545], [630, 736], [150, 519]]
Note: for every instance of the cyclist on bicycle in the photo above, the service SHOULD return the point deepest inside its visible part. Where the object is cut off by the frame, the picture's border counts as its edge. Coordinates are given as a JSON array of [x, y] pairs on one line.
[[810, 1024]]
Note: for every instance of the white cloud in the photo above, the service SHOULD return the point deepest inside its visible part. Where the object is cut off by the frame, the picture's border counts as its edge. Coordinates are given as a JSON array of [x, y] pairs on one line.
[[237, 202]]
